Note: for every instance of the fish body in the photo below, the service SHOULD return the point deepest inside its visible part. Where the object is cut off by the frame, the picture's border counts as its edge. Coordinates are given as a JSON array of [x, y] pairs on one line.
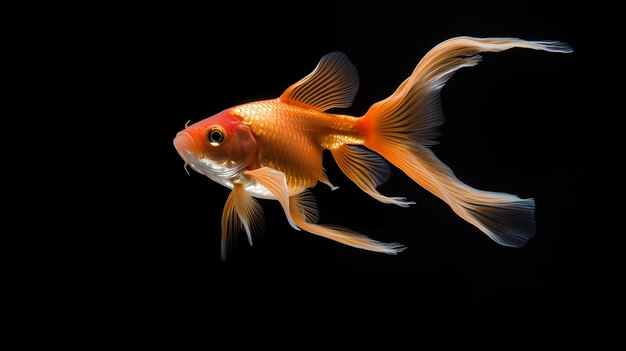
[[273, 149], [292, 138]]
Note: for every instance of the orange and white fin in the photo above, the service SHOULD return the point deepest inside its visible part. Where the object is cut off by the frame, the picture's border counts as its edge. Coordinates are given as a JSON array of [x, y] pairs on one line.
[[249, 211], [304, 212], [401, 127], [367, 170], [241, 209], [230, 225], [333, 84], [276, 183], [324, 179], [306, 206]]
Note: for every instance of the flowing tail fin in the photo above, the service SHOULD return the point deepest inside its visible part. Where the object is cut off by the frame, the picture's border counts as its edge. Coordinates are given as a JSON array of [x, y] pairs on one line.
[[401, 127]]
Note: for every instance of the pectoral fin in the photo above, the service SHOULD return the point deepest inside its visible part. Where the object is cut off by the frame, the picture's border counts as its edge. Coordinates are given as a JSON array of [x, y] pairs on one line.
[[230, 225], [241, 209]]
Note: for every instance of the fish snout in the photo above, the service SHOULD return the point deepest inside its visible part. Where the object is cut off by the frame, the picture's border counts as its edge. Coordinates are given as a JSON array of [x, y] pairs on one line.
[[185, 144]]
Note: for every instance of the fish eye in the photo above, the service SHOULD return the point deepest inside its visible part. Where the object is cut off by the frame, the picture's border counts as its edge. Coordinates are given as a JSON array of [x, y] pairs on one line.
[[216, 135]]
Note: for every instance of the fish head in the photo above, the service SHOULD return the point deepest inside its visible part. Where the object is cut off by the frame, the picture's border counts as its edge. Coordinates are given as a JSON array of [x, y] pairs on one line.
[[220, 147]]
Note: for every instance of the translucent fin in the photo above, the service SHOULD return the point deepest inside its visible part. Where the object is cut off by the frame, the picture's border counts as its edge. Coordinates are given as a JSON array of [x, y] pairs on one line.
[[302, 206], [413, 111], [276, 183], [505, 218], [240, 209], [402, 126], [333, 84], [249, 211], [324, 179], [230, 225], [305, 204], [367, 170]]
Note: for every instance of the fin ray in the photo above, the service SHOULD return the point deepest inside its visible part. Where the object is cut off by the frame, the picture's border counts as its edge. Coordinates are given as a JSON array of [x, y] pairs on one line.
[[402, 126], [299, 206], [413, 111], [367, 170], [307, 206], [276, 183], [333, 84], [230, 226], [324, 179], [249, 211]]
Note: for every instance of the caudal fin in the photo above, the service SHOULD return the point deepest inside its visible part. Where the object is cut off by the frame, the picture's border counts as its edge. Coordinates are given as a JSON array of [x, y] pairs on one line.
[[401, 127]]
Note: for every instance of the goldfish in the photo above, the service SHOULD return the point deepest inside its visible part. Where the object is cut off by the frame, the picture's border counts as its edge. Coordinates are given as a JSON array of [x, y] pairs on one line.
[[273, 149]]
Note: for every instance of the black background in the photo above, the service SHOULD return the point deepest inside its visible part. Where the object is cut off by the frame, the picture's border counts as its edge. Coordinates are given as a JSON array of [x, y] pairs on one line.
[[519, 122]]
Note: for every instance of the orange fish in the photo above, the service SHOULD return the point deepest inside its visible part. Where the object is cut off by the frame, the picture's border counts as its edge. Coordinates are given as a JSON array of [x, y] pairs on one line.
[[273, 149]]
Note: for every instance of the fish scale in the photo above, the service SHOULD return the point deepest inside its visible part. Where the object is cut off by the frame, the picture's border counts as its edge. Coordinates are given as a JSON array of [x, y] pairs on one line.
[[291, 138]]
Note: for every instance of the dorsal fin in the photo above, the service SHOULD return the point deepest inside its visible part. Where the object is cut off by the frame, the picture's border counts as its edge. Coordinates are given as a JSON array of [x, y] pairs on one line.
[[332, 84]]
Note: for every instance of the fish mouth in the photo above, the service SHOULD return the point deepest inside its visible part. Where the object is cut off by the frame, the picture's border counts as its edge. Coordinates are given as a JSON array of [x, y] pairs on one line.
[[185, 145], [218, 171]]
